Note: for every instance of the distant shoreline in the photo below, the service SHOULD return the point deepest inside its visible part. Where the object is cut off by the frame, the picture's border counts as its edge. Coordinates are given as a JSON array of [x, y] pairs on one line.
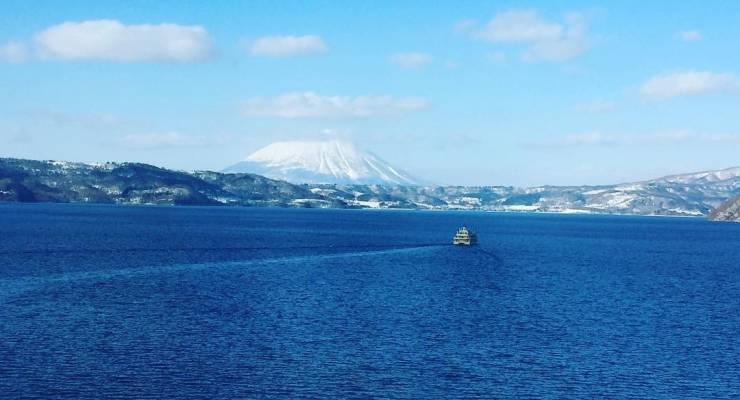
[[33, 181], [349, 209]]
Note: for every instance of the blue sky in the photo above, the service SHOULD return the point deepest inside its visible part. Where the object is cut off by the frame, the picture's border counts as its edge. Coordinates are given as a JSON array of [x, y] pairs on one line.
[[503, 93]]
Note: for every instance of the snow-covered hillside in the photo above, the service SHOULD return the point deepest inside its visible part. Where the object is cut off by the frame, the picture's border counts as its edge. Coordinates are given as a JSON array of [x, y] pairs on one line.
[[321, 162], [729, 211], [691, 194], [703, 177]]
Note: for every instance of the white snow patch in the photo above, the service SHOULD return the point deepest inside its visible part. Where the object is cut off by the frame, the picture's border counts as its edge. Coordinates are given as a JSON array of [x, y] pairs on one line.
[[321, 162]]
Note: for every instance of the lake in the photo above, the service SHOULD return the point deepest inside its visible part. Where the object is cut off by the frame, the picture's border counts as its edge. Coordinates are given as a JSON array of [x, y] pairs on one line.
[[196, 302]]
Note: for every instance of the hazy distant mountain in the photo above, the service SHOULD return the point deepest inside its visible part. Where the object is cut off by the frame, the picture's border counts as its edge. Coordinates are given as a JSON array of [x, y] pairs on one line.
[[687, 194], [729, 211], [728, 175], [322, 162], [131, 183]]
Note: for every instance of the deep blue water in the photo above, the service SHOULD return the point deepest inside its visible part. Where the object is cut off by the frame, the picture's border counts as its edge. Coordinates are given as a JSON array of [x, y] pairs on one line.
[[185, 303]]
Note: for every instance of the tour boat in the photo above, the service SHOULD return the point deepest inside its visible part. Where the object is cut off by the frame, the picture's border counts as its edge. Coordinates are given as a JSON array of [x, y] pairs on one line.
[[464, 237]]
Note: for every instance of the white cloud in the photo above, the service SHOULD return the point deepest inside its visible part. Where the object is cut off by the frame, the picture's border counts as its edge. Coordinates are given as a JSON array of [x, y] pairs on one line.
[[14, 52], [60, 118], [411, 60], [594, 139], [496, 57], [520, 26], [171, 140], [544, 40], [687, 83], [451, 64], [113, 41], [595, 107], [287, 46], [314, 105], [464, 26], [690, 36], [18, 135]]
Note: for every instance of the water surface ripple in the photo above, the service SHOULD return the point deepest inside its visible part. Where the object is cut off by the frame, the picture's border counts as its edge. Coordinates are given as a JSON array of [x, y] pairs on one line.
[[195, 303]]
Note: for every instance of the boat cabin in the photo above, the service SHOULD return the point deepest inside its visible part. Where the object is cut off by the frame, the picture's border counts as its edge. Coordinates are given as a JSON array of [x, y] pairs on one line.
[[464, 237]]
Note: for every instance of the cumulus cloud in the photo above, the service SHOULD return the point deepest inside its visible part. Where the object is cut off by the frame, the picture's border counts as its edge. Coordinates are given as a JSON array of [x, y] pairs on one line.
[[411, 60], [171, 140], [543, 40], [520, 26], [287, 46], [595, 139], [689, 36], [687, 83], [314, 105], [13, 52], [112, 40]]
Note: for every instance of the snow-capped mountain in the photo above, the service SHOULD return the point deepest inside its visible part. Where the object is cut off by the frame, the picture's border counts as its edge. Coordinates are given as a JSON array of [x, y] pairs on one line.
[[332, 161]]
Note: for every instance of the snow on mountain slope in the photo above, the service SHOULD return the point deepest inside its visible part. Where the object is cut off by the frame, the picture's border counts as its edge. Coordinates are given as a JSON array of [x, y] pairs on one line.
[[729, 211], [321, 162], [702, 177]]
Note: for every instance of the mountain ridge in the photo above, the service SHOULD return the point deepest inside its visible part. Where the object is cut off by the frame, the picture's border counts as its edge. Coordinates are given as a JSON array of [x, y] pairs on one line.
[[136, 183], [693, 177]]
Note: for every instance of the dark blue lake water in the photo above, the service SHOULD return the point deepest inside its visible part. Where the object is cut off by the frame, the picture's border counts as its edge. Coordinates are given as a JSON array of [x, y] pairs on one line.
[[184, 303]]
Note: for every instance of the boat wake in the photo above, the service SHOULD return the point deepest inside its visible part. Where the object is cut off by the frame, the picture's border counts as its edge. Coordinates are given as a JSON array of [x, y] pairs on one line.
[[14, 286], [490, 254], [229, 248]]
